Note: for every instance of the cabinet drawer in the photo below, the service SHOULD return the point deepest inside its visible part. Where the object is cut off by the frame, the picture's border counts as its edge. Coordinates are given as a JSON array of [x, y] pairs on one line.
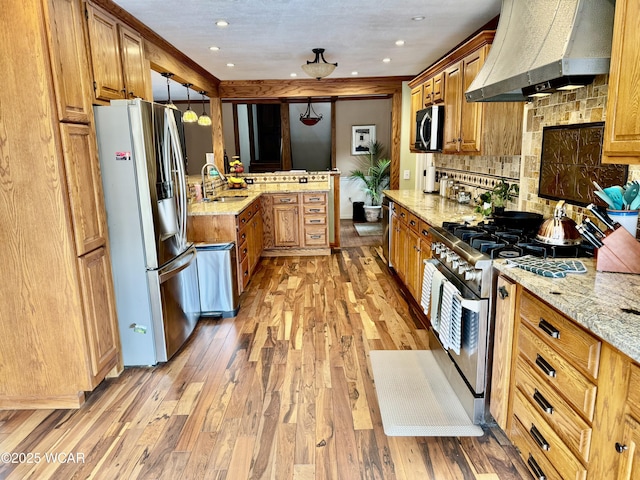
[[244, 272], [536, 462], [413, 221], [546, 442], [402, 213], [244, 217], [314, 198], [315, 219], [315, 209], [243, 250], [256, 207], [557, 371], [315, 236], [279, 198], [575, 344], [569, 426]]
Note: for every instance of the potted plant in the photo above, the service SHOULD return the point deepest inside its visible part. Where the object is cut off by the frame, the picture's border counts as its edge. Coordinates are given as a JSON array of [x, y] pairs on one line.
[[495, 200], [374, 175]]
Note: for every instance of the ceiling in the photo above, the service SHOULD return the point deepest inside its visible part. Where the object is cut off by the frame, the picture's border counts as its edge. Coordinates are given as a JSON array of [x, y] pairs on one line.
[[270, 39]]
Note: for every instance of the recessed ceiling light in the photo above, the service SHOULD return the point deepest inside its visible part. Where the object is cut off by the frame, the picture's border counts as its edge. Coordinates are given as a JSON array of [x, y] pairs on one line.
[[222, 23], [214, 48], [231, 64], [293, 75], [386, 60], [399, 42], [354, 73], [418, 18]]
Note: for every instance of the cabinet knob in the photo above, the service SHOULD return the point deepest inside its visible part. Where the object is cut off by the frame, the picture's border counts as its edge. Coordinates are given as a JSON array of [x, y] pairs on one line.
[[503, 292], [620, 448]]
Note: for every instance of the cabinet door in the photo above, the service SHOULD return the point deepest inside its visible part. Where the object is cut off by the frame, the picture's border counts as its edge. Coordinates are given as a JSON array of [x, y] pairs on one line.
[[452, 99], [286, 226], [69, 61], [413, 263], [427, 92], [503, 350], [622, 128], [471, 113], [437, 93], [416, 104], [100, 315], [133, 65], [105, 54], [85, 187], [629, 468]]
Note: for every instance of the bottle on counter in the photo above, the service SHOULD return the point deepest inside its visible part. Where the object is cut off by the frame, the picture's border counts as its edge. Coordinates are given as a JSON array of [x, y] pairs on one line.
[[443, 185]]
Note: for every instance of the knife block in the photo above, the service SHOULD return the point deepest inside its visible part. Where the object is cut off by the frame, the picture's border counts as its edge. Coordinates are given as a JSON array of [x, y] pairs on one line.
[[620, 253]]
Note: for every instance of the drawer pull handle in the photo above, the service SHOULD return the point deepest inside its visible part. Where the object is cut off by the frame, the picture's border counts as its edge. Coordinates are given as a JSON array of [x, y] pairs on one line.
[[538, 438], [535, 469], [543, 402], [244, 250], [314, 210], [412, 223], [549, 329], [425, 233], [315, 221], [503, 292], [285, 200], [545, 366], [315, 237], [402, 215], [620, 448], [314, 199]]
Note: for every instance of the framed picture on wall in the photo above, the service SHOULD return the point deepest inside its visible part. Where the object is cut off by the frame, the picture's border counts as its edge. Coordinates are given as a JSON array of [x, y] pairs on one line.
[[362, 136]]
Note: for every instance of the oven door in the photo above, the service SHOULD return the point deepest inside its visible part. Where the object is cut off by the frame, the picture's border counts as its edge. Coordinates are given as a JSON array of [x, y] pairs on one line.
[[470, 330]]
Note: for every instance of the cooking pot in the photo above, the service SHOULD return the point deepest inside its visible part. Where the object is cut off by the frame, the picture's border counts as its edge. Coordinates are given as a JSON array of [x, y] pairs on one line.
[[559, 230], [526, 221]]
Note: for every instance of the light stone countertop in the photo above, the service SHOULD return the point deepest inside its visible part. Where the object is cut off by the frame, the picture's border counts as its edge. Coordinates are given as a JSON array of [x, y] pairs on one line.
[[605, 303], [252, 192]]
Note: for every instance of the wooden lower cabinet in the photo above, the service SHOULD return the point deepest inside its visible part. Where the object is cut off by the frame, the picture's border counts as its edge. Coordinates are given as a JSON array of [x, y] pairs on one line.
[[286, 225], [571, 401]]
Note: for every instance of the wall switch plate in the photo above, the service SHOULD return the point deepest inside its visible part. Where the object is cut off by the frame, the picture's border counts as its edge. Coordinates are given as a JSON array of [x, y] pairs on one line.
[[407, 174], [249, 181], [303, 180]]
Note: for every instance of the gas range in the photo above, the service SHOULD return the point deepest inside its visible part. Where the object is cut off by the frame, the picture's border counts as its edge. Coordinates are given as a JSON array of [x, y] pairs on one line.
[[467, 251]]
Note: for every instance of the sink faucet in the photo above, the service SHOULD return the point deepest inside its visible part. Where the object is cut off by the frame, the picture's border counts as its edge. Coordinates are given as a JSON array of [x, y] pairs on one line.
[[204, 168]]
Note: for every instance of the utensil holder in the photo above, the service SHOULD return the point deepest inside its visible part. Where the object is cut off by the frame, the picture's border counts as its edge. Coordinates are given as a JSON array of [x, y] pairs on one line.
[[620, 253]]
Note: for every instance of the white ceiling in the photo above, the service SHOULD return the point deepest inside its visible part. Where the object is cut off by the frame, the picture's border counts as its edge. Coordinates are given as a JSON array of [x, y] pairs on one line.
[[270, 39]]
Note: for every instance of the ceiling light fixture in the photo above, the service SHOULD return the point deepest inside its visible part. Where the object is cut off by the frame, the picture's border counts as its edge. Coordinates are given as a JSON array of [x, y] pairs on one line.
[[386, 60], [214, 48], [399, 43], [222, 23], [316, 69], [169, 103], [204, 119], [418, 18], [307, 118], [189, 116]]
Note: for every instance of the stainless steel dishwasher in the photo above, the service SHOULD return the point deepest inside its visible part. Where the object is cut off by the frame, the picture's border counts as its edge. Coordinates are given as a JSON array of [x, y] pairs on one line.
[[218, 279]]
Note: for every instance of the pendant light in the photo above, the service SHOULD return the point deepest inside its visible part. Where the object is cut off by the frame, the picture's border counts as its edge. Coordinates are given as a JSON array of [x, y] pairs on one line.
[[204, 119], [189, 116], [307, 118], [317, 69], [169, 103]]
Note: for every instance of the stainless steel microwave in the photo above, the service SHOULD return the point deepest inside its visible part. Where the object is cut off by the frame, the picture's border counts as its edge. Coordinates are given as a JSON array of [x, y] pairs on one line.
[[429, 128]]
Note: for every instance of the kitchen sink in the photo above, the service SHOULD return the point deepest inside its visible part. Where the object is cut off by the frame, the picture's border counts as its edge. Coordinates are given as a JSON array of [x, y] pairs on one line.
[[229, 198]]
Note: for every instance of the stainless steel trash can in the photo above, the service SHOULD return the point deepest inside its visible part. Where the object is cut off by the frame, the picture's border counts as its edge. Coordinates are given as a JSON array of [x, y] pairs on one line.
[[217, 278]]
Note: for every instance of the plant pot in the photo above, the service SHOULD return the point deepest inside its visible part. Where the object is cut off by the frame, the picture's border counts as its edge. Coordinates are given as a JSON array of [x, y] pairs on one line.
[[372, 212]]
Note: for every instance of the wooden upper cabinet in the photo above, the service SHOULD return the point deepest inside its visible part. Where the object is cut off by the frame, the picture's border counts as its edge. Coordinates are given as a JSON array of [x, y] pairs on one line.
[[106, 64], [416, 104], [117, 57], [434, 90], [452, 103], [622, 126], [69, 61], [427, 92], [471, 113], [134, 69], [85, 187]]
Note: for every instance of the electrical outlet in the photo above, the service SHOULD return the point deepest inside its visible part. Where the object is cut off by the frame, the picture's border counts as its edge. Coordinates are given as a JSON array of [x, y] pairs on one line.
[[303, 180], [248, 181], [407, 174]]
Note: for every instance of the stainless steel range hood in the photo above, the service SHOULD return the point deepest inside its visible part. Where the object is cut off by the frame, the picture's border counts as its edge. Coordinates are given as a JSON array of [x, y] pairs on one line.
[[543, 44]]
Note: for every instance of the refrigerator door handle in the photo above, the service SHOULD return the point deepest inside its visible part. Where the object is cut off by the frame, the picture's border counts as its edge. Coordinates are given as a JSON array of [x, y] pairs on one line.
[[181, 190], [184, 261]]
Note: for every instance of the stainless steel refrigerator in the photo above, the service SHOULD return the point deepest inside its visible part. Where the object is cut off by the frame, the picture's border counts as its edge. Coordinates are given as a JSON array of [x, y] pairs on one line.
[[142, 163]]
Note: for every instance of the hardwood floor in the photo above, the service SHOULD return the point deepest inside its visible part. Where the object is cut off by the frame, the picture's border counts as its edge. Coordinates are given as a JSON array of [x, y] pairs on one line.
[[282, 391]]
